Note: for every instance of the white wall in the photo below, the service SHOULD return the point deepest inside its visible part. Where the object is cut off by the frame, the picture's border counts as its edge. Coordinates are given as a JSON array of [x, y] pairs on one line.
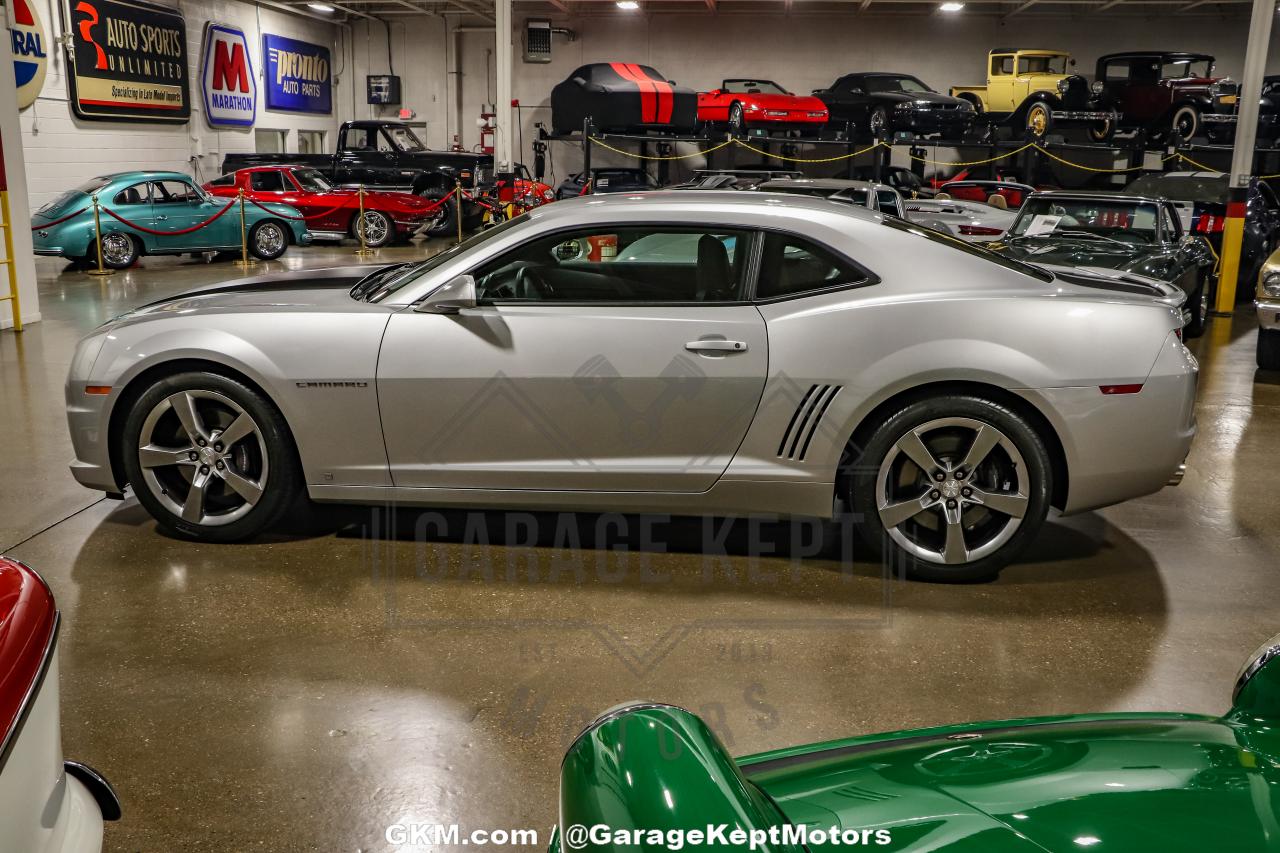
[[63, 151]]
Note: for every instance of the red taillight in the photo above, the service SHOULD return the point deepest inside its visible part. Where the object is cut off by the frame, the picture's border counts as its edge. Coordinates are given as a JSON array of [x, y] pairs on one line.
[[979, 231], [1208, 223], [27, 622], [1121, 389]]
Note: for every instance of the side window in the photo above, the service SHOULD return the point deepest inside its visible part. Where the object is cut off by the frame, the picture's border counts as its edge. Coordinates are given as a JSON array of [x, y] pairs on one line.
[[270, 181], [384, 143], [1169, 224], [791, 265], [1001, 66], [359, 139], [889, 202], [621, 264], [136, 194], [173, 192], [224, 181], [1117, 71]]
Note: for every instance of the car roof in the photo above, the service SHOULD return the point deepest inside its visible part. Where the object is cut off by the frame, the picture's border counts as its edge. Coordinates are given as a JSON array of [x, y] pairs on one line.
[[1152, 54], [647, 204], [827, 184], [1043, 50], [146, 176], [1202, 173], [1096, 195]]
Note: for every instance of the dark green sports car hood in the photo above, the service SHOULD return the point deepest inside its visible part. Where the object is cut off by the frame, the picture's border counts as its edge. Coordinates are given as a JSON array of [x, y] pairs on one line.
[[1142, 260], [1104, 783]]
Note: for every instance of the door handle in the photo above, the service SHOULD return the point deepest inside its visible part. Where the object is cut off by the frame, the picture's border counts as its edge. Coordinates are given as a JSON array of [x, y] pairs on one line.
[[161, 216], [716, 346]]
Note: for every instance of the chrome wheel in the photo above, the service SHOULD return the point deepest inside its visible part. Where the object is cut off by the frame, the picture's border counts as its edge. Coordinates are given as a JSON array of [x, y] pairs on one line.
[[117, 250], [268, 240], [375, 227], [735, 118], [203, 457], [952, 490], [879, 122]]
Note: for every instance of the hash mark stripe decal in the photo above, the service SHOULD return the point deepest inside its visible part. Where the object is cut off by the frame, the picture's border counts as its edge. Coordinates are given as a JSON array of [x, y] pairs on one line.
[[822, 411]]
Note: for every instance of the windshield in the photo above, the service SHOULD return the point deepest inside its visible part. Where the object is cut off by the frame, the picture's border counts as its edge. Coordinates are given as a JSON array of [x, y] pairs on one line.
[[1087, 218], [895, 84], [1210, 189], [384, 282], [1178, 69], [974, 249], [1042, 64], [404, 139], [753, 87], [311, 180]]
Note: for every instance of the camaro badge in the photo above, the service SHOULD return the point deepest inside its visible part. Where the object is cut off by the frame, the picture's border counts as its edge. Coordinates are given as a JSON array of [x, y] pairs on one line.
[[339, 384]]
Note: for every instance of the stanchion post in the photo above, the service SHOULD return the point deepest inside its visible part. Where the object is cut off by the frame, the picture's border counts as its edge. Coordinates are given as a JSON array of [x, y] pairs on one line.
[[364, 251], [97, 240], [245, 261], [457, 202]]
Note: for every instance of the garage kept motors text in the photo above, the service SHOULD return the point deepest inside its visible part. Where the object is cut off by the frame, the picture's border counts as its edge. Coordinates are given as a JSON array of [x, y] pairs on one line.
[[129, 61]]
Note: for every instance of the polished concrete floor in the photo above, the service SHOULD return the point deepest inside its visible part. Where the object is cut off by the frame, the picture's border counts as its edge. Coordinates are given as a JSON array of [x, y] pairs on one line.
[[304, 691]]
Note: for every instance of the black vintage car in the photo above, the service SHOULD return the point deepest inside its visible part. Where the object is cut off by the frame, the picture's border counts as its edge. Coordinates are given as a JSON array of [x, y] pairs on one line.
[[388, 155], [1201, 201], [881, 103], [622, 97], [1132, 235], [1166, 92]]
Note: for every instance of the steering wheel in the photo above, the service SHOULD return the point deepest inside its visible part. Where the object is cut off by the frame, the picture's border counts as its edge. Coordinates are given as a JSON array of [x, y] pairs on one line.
[[531, 285]]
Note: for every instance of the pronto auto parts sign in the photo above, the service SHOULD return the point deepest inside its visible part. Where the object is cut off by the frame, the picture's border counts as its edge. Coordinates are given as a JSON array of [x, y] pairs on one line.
[[297, 76], [30, 55], [128, 61], [227, 79]]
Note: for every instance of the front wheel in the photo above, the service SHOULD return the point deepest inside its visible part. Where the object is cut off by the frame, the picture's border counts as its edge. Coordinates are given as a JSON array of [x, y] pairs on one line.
[[209, 457], [1039, 119], [1269, 349], [1103, 131], [267, 240], [378, 228], [736, 118], [878, 123], [1185, 122], [954, 486], [1198, 303]]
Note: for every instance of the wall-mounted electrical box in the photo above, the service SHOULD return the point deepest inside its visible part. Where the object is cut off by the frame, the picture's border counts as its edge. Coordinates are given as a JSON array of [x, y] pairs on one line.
[[383, 88], [537, 40]]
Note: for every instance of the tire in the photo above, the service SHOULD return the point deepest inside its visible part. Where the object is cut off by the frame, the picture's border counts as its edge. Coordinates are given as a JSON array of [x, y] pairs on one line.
[[1269, 349], [268, 240], [1200, 303], [445, 223], [119, 251], [260, 475], [379, 230], [878, 122], [737, 119], [1038, 119], [883, 477], [1185, 122], [1102, 132]]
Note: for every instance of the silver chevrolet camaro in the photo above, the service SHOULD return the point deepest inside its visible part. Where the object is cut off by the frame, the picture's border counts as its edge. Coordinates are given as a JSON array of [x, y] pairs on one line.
[[686, 353]]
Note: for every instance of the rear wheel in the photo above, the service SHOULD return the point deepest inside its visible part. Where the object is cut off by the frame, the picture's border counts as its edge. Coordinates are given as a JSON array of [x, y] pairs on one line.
[[736, 118], [209, 457], [444, 221], [1269, 349], [954, 486], [268, 240], [119, 251], [1198, 303]]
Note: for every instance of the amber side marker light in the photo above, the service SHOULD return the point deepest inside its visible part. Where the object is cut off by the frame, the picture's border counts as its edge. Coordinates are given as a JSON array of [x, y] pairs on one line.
[[1120, 389], [97, 389]]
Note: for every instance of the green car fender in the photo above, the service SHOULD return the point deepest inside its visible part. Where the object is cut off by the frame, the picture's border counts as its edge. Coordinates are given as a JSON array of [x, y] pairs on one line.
[[290, 216]]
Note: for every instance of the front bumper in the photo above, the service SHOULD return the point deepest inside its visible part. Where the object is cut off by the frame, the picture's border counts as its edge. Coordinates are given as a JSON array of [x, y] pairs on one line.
[[88, 420], [1081, 115], [1268, 312], [933, 121]]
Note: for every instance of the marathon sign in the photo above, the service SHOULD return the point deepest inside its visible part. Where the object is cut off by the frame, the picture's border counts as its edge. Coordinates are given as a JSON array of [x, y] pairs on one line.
[[227, 79], [127, 61], [298, 75]]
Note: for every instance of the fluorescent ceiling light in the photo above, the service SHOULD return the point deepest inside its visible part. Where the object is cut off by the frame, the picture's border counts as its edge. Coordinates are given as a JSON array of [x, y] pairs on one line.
[[628, 4], [321, 7], [951, 7]]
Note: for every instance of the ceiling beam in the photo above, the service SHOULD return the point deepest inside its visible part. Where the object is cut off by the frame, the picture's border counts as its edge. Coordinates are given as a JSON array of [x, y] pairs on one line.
[[1190, 6], [711, 5], [1025, 6], [560, 5], [1109, 5], [864, 5]]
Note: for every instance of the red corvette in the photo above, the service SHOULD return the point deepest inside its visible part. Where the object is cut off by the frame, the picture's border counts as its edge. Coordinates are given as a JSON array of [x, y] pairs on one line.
[[761, 104], [331, 211]]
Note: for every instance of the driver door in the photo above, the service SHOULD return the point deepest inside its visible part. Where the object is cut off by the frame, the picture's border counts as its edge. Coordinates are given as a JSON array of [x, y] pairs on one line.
[[609, 358], [176, 206]]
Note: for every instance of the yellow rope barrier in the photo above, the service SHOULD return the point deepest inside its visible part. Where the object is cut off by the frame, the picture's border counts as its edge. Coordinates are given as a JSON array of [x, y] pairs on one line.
[[850, 155], [662, 157], [973, 162]]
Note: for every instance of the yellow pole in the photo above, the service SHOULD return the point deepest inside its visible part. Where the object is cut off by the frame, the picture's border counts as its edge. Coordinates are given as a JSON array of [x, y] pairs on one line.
[[12, 298], [97, 240], [1229, 268], [245, 261], [457, 202], [364, 250]]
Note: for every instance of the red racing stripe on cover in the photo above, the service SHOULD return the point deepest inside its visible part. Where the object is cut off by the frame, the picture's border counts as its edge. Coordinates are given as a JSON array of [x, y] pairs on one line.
[[666, 98], [648, 94]]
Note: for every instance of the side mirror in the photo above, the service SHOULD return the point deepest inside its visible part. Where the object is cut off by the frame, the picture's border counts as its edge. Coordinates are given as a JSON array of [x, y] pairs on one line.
[[451, 297]]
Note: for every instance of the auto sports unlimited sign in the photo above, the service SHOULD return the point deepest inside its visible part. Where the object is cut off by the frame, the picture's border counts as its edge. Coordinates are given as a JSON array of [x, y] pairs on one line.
[[27, 39], [297, 75], [128, 61], [226, 77]]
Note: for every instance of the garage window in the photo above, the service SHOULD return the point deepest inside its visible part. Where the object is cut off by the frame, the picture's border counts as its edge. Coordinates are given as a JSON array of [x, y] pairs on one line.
[[790, 266], [635, 264], [267, 141], [311, 142]]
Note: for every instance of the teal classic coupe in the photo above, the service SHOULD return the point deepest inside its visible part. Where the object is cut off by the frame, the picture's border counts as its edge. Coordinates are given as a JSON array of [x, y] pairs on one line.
[[158, 213], [649, 777]]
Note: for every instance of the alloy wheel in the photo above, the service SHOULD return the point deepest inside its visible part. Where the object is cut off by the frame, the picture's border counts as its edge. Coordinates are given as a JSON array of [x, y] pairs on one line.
[[269, 239], [375, 227], [203, 457], [878, 122], [952, 491]]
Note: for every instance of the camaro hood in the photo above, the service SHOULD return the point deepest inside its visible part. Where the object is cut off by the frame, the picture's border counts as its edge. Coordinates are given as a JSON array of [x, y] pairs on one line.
[[1121, 782]]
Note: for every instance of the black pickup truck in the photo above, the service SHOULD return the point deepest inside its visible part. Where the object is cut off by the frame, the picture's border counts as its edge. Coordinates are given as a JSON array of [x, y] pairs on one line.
[[388, 155]]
